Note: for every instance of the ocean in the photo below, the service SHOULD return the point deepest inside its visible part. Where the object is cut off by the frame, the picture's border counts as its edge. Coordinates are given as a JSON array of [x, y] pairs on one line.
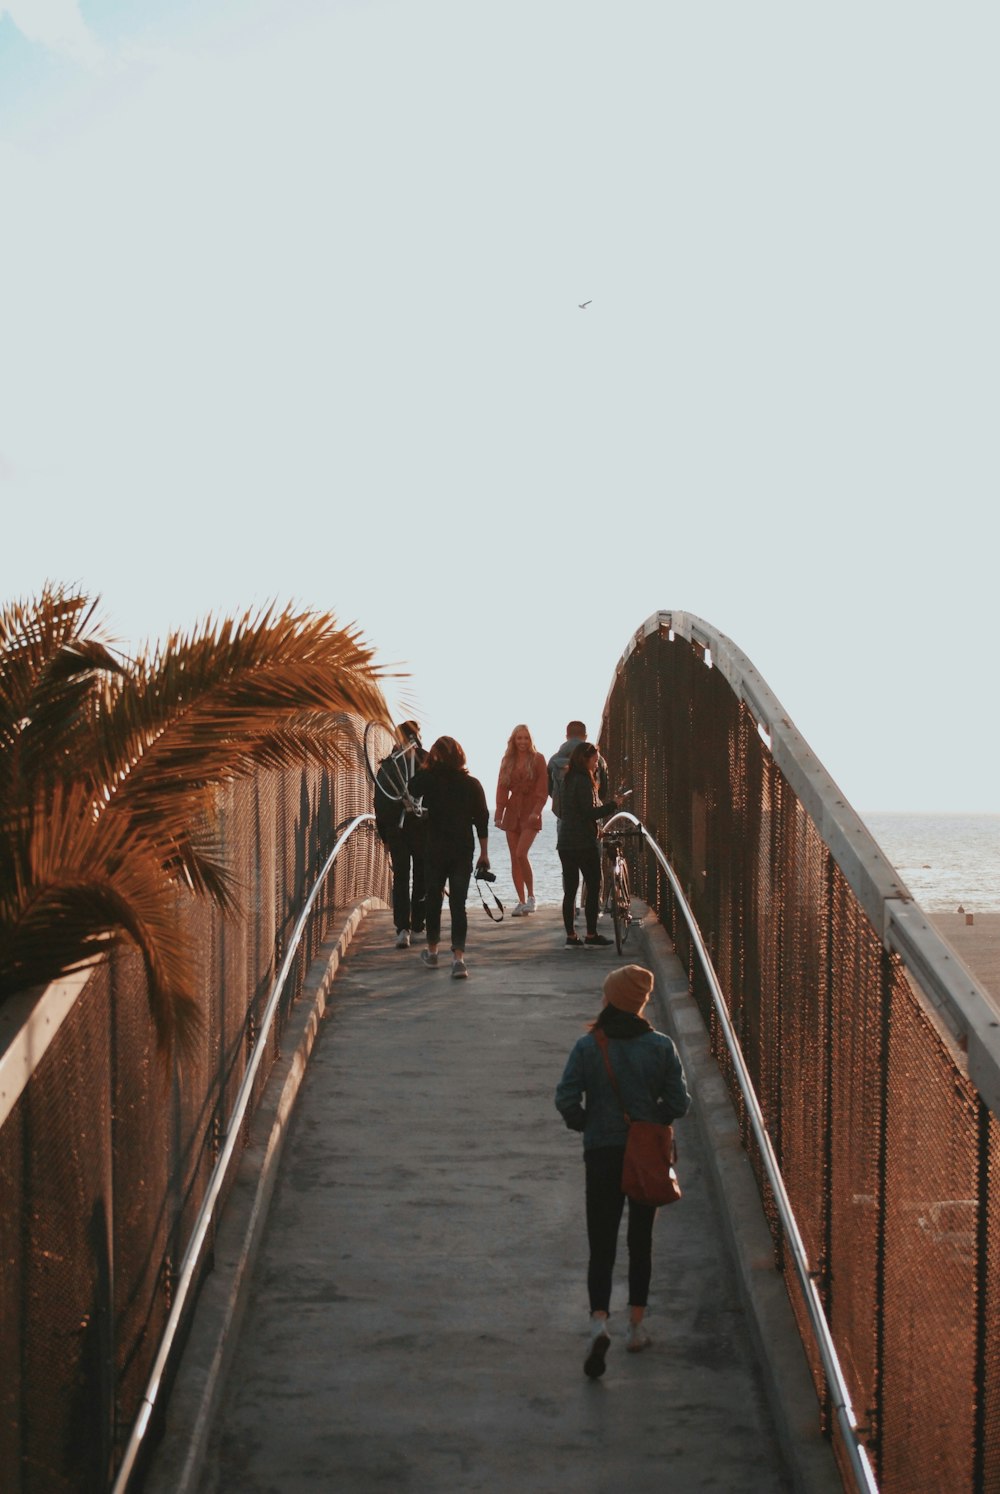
[[946, 860]]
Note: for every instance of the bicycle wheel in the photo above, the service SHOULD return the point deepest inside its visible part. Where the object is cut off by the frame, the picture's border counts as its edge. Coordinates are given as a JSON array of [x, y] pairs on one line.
[[621, 904], [387, 772]]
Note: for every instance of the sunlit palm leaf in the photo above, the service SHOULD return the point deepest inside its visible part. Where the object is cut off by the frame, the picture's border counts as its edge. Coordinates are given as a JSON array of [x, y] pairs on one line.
[[76, 881], [53, 669], [109, 774]]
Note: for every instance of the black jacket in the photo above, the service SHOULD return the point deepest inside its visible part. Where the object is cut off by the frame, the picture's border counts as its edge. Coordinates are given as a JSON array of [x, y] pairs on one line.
[[581, 811], [456, 806]]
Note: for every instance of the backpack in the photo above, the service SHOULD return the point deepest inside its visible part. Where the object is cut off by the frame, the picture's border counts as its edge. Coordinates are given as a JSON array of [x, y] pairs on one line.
[[557, 779], [388, 812]]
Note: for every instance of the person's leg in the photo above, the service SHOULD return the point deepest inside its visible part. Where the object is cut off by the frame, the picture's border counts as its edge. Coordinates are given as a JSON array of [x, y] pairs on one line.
[[418, 898], [459, 876], [590, 866], [570, 881], [641, 1218], [515, 865], [399, 853], [434, 896], [524, 843], [605, 1201]]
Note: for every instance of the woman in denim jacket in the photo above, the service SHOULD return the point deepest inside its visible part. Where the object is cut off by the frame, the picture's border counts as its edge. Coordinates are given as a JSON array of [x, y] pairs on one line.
[[652, 1087]]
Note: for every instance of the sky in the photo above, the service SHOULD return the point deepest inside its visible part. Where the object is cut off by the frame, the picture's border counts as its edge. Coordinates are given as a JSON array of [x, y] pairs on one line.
[[291, 313]]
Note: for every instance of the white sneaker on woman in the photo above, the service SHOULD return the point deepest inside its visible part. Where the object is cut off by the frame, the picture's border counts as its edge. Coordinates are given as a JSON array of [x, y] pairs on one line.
[[519, 911], [636, 1338], [529, 906]]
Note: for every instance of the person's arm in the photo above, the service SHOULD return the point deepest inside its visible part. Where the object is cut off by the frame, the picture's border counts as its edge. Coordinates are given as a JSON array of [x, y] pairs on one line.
[[503, 794], [673, 1097], [569, 1092], [582, 800], [481, 821]]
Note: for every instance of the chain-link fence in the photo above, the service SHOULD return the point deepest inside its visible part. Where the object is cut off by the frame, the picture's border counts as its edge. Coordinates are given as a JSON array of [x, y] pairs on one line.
[[888, 1150], [105, 1155]]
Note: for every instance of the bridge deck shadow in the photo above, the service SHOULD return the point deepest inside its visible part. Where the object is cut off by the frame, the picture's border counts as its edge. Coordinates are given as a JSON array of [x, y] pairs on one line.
[[416, 1315]]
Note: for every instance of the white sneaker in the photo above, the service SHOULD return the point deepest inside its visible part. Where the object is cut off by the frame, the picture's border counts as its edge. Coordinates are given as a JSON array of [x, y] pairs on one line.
[[636, 1338], [428, 958], [529, 906], [600, 1343], [403, 939], [519, 910], [458, 970]]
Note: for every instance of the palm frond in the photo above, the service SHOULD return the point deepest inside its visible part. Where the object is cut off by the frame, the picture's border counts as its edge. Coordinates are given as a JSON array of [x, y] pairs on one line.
[[211, 708], [110, 769], [77, 883], [53, 666]]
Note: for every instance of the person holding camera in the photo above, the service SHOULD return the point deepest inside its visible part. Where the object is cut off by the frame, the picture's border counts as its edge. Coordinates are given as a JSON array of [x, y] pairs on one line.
[[522, 789], [456, 813]]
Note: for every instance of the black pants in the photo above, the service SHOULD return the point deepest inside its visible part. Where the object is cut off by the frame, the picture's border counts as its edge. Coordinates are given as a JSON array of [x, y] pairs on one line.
[[455, 868], [407, 861], [605, 1201], [589, 863]]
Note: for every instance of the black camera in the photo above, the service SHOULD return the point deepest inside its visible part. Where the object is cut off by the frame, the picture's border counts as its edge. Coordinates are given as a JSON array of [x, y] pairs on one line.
[[483, 874]]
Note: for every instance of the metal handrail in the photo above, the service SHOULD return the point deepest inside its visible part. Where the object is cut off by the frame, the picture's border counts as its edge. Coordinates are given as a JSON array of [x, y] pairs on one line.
[[840, 1395], [199, 1235]]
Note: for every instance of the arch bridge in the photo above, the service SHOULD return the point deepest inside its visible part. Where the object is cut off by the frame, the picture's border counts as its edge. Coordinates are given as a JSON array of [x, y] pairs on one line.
[[862, 1059]]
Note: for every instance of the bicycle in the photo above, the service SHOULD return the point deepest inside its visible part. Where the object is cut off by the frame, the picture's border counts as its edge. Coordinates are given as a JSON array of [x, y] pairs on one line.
[[390, 775], [618, 899]]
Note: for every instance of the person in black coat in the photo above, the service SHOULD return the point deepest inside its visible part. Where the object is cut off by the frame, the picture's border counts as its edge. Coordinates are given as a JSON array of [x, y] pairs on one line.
[[578, 843], [456, 813], [404, 834]]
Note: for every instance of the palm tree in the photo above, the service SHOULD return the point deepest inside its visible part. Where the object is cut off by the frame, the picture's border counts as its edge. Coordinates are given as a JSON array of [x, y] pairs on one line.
[[109, 769]]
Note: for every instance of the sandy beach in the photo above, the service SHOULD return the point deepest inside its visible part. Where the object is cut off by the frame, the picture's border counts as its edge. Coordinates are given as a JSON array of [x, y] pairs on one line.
[[977, 945]]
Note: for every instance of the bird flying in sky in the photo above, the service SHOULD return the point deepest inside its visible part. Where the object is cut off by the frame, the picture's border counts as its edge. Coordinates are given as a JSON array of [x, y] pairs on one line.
[[584, 304]]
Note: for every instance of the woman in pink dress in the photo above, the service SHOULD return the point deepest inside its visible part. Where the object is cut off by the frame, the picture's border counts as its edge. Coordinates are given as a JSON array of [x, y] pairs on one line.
[[522, 789]]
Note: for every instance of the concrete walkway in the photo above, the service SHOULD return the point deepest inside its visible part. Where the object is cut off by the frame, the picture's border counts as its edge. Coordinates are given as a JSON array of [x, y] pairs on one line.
[[416, 1314]]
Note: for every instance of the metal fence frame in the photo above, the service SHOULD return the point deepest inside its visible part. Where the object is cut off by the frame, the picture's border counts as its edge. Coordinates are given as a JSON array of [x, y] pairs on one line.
[[98, 1207], [889, 1046]]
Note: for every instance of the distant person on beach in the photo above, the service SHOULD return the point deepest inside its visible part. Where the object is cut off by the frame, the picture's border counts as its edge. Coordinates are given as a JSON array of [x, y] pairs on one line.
[[456, 807], [577, 841], [652, 1087], [522, 789], [404, 836]]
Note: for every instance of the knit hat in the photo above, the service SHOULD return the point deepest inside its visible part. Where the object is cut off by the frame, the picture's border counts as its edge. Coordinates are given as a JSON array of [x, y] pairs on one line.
[[628, 988]]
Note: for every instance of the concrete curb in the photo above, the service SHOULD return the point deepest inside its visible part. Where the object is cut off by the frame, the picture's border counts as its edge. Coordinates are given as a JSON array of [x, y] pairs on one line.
[[781, 1356], [177, 1462]]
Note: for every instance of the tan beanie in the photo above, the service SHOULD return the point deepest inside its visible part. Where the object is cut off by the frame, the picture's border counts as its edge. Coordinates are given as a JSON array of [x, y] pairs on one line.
[[628, 988]]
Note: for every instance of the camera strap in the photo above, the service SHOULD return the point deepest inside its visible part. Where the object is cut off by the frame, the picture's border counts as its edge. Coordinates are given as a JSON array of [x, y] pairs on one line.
[[486, 907]]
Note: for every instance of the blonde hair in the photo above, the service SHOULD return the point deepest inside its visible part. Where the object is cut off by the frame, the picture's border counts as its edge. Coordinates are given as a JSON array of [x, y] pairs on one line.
[[509, 759]]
